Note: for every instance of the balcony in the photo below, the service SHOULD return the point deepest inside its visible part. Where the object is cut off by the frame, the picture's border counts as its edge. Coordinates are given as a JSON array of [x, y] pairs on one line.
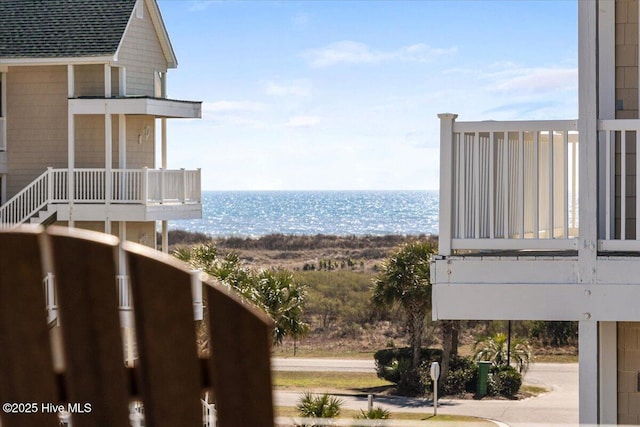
[[510, 225], [97, 194], [509, 186], [157, 107], [514, 186]]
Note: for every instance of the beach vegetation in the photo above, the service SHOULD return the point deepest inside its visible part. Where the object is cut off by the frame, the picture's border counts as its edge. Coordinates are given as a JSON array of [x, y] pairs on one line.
[[405, 280], [274, 290]]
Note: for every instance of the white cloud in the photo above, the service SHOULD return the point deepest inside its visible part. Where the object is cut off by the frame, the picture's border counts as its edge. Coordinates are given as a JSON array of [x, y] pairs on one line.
[[303, 121], [300, 87], [199, 5], [232, 106], [534, 79], [351, 52]]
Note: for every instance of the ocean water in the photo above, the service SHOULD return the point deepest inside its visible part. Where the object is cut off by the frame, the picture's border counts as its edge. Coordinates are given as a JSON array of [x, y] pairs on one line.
[[257, 213]]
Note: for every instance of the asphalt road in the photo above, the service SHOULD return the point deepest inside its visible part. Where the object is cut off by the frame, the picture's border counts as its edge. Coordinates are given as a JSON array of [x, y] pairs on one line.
[[558, 407]]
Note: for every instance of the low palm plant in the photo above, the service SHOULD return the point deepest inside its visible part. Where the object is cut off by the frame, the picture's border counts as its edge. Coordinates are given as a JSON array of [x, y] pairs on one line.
[[319, 406], [376, 413], [494, 349]]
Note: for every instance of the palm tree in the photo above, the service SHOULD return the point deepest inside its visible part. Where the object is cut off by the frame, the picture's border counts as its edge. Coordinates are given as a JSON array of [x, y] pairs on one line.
[[274, 291], [283, 298], [405, 280], [494, 349]]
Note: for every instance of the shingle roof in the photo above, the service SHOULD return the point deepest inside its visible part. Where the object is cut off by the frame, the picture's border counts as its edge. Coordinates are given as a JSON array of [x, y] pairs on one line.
[[62, 28]]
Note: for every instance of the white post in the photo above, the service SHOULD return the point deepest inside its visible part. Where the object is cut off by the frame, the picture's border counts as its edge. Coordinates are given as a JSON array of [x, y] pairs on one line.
[[108, 160], [122, 141], [3, 111], [606, 107], [588, 188], [588, 371], [184, 185], [107, 80], [122, 81], [165, 237], [163, 137], [608, 375], [196, 294], [446, 183], [145, 185], [70, 143]]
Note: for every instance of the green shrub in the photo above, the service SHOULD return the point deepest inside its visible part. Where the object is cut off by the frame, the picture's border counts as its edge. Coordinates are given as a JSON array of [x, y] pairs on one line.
[[504, 381], [462, 377], [388, 360]]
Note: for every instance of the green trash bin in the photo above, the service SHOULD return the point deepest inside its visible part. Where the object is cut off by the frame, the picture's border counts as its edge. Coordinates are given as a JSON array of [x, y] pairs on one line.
[[483, 377]]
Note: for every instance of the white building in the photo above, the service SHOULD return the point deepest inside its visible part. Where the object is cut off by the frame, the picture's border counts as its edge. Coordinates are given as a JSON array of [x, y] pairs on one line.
[[538, 219]]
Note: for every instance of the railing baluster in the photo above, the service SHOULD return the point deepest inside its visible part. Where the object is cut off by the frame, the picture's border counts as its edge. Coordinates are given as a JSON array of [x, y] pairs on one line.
[[551, 189], [521, 183], [476, 183], [565, 186], [637, 148], [536, 190], [623, 185], [492, 233], [505, 183]]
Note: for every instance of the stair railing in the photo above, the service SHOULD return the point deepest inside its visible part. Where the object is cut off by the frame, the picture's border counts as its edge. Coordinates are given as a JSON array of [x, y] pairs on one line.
[[27, 202]]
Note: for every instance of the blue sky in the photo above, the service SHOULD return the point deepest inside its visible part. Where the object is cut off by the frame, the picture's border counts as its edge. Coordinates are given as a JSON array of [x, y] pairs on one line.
[[344, 95]]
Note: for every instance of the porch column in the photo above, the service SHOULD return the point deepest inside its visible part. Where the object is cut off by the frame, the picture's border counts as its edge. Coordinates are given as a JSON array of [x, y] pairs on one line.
[[165, 224], [588, 372], [3, 109], [606, 106], [588, 214], [108, 145], [70, 143], [446, 188], [608, 372], [107, 80]]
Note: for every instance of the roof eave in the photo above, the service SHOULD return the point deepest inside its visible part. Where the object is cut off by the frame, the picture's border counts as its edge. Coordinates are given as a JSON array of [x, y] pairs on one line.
[[58, 60], [163, 35]]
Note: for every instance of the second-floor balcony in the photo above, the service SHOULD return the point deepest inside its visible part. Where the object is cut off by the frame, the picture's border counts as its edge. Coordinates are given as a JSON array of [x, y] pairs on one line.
[[100, 194], [514, 185]]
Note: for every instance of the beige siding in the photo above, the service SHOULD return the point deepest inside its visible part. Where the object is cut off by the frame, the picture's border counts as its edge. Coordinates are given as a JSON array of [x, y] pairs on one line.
[[142, 232], [36, 123], [140, 150], [89, 80], [628, 370], [142, 55], [90, 148]]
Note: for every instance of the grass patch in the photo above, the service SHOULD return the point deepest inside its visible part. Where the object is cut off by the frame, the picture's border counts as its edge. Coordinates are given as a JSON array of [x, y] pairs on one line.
[[555, 358], [358, 381], [453, 420], [311, 352], [529, 390]]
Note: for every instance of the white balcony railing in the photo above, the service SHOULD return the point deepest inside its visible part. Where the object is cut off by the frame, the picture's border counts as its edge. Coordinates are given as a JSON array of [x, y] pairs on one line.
[[620, 181], [3, 134], [97, 186], [508, 185]]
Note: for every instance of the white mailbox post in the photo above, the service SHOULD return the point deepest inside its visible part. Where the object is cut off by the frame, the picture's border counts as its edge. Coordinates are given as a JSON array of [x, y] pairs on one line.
[[435, 374]]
